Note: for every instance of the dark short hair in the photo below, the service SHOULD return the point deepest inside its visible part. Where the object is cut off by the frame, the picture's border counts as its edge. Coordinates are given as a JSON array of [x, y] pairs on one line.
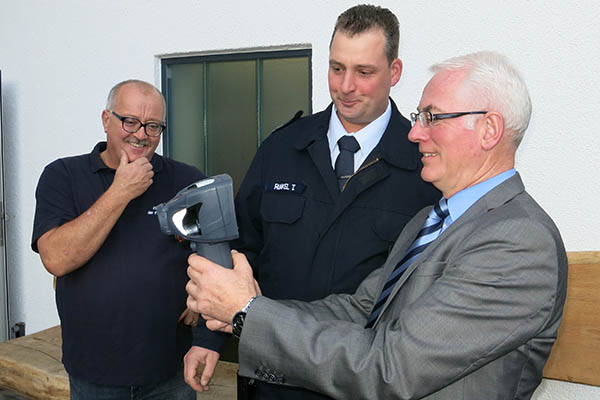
[[363, 17]]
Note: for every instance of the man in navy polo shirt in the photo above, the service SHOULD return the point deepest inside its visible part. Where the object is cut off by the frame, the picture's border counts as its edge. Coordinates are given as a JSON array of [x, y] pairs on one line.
[[121, 283]]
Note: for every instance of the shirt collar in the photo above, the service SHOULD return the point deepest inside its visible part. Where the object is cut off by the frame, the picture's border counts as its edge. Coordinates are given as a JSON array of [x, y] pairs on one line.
[[463, 200], [367, 137]]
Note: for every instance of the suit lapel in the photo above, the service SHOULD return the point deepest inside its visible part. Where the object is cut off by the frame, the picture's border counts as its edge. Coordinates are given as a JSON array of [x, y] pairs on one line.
[[495, 198]]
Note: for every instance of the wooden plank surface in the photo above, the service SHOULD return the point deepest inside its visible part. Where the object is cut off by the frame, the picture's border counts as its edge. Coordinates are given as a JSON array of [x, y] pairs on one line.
[[575, 356], [31, 365]]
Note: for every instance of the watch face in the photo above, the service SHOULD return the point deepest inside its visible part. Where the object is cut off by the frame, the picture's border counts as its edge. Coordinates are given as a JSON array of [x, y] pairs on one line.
[[238, 323]]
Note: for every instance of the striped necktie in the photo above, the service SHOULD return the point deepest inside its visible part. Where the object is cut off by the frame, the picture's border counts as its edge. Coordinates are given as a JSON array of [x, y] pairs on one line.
[[429, 232]]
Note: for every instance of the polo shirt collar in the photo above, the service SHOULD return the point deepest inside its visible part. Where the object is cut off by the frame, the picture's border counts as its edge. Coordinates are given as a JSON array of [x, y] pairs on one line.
[[97, 164]]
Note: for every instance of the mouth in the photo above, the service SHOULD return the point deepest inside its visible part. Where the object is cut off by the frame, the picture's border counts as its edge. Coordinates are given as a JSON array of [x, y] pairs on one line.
[[137, 143], [429, 155], [348, 103]]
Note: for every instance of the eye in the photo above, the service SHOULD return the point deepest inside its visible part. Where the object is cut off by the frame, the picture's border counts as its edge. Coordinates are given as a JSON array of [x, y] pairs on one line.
[[434, 121], [131, 122], [153, 125]]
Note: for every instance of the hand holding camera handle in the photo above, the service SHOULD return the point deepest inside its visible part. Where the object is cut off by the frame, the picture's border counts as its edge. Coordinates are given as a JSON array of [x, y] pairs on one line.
[[219, 252]]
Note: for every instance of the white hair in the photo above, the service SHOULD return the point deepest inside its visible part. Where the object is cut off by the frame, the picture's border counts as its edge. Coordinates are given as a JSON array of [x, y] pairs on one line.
[[112, 95], [493, 84]]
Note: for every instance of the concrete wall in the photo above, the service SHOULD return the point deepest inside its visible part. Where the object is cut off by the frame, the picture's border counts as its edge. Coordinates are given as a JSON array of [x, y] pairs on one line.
[[59, 59]]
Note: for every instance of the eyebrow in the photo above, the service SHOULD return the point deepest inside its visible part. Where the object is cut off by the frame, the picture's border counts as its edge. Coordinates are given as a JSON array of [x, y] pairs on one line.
[[429, 108], [357, 66], [156, 121]]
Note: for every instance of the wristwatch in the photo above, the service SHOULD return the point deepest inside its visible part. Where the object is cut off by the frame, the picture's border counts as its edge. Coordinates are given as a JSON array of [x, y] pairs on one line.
[[238, 319]]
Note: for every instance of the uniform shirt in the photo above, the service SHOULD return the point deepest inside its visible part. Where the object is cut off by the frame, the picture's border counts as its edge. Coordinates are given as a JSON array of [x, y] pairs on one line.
[[367, 137], [119, 312]]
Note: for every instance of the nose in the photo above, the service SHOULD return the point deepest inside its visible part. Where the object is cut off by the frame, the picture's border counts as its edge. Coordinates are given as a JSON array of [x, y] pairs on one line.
[[417, 133], [347, 85], [141, 133]]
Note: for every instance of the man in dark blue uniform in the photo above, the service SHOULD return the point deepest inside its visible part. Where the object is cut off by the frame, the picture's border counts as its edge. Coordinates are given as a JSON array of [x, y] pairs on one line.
[[310, 224], [121, 282]]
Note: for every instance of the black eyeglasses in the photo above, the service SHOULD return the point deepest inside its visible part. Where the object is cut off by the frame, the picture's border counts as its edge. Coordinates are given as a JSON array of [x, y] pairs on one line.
[[132, 125], [426, 117]]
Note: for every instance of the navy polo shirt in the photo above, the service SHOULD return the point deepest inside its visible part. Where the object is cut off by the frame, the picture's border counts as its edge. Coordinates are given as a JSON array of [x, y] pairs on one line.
[[119, 312]]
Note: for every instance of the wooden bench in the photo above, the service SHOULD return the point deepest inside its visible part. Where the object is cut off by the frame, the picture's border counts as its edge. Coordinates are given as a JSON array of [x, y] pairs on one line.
[[31, 364], [575, 355]]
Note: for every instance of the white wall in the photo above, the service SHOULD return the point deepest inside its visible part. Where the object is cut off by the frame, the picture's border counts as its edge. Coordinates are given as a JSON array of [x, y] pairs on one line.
[[59, 59]]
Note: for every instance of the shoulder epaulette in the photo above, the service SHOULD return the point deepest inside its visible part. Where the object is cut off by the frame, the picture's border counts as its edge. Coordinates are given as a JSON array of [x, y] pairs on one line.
[[291, 121]]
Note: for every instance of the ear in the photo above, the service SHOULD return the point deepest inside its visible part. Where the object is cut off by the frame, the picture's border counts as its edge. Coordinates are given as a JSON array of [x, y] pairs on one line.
[[396, 68], [491, 128], [105, 118]]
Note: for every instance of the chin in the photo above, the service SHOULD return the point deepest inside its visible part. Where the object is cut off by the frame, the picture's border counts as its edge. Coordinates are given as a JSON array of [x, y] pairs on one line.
[[428, 176]]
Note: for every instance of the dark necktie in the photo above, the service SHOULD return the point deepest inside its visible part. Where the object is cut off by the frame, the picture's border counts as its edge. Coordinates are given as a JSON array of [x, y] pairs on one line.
[[429, 232], [344, 165]]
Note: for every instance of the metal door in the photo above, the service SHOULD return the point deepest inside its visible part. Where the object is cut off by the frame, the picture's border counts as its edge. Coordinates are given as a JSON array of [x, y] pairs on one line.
[[4, 331]]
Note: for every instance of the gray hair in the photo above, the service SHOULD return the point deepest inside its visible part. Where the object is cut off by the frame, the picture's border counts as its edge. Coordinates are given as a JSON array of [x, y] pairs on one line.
[[361, 18], [112, 95], [493, 84]]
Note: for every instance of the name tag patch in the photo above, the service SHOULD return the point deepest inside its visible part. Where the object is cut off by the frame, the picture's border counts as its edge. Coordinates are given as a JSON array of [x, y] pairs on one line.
[[282, 186]]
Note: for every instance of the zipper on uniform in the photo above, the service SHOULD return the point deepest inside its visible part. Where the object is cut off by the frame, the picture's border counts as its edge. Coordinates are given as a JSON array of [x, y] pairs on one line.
[[360, 169]]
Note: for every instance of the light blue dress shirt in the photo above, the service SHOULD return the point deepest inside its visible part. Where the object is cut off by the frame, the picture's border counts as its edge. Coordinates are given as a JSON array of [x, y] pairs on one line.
[[367, 137], [461, 201]]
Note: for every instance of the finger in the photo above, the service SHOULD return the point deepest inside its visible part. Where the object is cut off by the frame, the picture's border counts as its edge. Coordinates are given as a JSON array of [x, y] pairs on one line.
[[257, 288], [240, 263], [199, 262], [194, 262], [191, 287], [200, 265], [191, 303], [191, 319], [183, 314], [142, 161], [209, 370], [215, 325], [192, 299], [190, 374], [193, 272], [124, 158]]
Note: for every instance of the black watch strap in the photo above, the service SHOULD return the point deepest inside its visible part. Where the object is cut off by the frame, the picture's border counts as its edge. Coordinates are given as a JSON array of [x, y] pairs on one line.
[[238, 319]]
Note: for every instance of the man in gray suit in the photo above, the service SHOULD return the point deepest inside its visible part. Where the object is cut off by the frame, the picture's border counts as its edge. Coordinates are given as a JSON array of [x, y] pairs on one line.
[[473, 316]]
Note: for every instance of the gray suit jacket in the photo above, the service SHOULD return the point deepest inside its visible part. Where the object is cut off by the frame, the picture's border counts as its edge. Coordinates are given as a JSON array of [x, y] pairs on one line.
[[474, 317]]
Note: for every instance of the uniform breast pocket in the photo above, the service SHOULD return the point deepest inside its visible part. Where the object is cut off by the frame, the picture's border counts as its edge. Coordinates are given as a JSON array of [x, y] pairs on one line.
[[388, 225], [282, 208]]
